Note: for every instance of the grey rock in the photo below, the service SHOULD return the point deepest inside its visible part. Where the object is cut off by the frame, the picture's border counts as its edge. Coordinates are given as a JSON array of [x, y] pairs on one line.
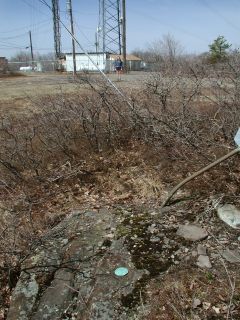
[[153, 228], [215, 255], [76, 269], [196, 303], [201, 250], [65, 241], [109, 236], [232, 256], [154, 239], [204, 262], [194, 253], [24, 298], [229, 214], [102, 310], [192, 232], [166, 240], [56, 298]]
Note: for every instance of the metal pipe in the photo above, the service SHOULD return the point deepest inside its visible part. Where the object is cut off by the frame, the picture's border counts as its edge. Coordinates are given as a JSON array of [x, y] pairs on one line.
[[198, 173]]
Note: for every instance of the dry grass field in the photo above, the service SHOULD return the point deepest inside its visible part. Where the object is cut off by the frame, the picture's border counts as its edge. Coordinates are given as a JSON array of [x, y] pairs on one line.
[[18, 92]]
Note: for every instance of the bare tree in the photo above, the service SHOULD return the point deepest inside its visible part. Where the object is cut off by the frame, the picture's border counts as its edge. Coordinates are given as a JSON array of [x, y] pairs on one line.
[[166, 50]]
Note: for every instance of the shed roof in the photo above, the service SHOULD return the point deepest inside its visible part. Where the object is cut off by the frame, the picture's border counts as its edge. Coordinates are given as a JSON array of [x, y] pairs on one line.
[[128, 57]]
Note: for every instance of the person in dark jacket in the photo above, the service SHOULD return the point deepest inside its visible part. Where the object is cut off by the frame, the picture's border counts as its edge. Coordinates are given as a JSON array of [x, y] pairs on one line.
[[118, 65]]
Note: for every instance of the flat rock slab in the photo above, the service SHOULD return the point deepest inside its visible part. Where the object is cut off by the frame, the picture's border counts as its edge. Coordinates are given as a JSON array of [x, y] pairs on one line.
[[201, 250], [232, 256], [204, 262], [76, 277], [192, 232], [229, 214]]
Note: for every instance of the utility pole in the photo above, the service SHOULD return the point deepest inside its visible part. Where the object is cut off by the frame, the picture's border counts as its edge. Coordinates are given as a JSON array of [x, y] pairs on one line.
[[31, 48], [124, 44], [69, 9], [56, 28]]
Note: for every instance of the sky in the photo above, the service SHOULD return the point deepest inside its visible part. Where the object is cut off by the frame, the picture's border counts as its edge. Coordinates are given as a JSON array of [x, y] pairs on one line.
[[194, 23]]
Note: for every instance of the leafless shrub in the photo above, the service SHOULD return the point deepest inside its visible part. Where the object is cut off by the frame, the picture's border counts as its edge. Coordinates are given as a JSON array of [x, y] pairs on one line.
[[225, 84]]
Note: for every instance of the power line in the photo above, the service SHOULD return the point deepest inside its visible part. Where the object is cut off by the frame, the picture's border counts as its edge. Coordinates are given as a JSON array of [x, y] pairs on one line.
[[8, 44], [79, 29], [33, 7], [216, 12], [24, 35], [152, 18], [11, 48], [26, 27], [14, 37]]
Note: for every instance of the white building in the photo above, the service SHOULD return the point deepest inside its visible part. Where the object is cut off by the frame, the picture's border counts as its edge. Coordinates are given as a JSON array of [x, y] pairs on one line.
[[83, 63], [104, 61]]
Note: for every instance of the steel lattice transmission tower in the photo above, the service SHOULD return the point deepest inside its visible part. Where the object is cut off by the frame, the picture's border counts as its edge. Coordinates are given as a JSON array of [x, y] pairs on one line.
[[109, 29], [56, 28]]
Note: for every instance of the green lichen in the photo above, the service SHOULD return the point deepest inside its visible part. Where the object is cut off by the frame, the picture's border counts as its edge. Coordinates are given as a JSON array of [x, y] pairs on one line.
[[145, 253]]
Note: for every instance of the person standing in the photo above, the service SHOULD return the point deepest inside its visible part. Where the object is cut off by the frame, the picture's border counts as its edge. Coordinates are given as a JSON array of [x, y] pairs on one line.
[[118, 65]]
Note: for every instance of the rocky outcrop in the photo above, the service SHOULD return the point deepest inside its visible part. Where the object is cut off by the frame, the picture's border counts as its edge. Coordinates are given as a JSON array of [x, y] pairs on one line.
[[71, 273]]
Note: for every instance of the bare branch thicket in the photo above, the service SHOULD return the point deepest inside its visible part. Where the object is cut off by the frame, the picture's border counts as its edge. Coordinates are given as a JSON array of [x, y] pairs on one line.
[[95, 120], [173, 112], [224, 82], [20, 146], [166, 112]]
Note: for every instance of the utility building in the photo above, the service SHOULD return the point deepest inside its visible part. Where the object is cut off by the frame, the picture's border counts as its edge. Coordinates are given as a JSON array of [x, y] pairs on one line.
[[83, 63], [104, 61]]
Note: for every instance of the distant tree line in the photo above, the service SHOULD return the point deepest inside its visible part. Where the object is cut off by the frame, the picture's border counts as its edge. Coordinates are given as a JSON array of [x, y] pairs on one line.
[[169, 53]]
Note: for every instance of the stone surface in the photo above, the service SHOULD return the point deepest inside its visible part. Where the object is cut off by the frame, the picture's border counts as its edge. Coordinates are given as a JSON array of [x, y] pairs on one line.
[[196, 303], [201, 250], [232, 256], [204, 262], [56, 297], [76, 276], [24, 298], [230, 215], [191, 232]]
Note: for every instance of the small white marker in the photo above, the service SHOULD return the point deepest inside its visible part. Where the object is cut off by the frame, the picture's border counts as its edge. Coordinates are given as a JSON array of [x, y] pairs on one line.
[[121, 272], [237, 137]]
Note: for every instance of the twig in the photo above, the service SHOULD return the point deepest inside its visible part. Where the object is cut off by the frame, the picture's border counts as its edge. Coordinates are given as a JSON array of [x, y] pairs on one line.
[[198, 173]]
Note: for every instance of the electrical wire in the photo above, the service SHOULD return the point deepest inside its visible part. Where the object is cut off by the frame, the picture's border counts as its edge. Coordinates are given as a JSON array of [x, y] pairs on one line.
[[11, 48], [14, 37], [33, 7], [152, 18], [216, 12], [26, 27], [10, 45], [79, 29]]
